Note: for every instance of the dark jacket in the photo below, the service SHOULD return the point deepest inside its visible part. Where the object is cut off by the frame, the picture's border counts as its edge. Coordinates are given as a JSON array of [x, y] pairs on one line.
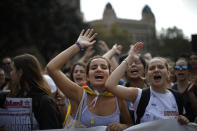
[[45, 110]]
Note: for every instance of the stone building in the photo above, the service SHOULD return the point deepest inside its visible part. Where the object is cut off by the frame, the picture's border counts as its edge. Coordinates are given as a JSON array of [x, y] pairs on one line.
[[140, 30]]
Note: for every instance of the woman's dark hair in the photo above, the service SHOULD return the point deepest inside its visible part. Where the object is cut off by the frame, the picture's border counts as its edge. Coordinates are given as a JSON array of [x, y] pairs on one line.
[[73, 68], [32, 73]]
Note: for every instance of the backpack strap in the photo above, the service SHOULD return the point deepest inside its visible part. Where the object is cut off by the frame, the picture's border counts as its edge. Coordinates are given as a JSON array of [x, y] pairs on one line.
[[179, 100], [144, 100]]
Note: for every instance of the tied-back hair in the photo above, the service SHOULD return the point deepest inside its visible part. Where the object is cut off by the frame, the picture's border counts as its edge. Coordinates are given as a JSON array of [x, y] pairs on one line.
[[73, 68], [96, 57], [162, 59], [32, 73]]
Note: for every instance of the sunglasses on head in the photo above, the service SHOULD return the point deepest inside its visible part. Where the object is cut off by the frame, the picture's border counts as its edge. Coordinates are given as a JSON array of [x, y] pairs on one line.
[[178, 67]]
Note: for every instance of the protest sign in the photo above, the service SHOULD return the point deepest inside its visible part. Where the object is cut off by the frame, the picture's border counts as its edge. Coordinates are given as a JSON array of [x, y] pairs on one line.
[[17, 116]]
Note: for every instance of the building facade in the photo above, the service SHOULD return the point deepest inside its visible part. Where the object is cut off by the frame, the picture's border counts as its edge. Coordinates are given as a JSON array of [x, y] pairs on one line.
[[140, 30]]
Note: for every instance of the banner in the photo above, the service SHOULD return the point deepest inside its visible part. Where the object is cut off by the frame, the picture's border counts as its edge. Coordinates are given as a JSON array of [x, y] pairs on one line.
[[17, 116], [159, 125], [163, 125]]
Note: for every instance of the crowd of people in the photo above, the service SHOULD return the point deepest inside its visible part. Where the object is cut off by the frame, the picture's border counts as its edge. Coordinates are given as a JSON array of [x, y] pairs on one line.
[[100, 90]]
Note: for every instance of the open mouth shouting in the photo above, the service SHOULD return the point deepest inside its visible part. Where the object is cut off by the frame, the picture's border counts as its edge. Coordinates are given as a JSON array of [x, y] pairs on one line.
[[99, 77], [157, 77], [180, 74], [134, 71]]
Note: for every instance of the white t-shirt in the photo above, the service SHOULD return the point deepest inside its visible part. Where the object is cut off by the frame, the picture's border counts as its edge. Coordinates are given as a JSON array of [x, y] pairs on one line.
[[51, 83], [160, 106]]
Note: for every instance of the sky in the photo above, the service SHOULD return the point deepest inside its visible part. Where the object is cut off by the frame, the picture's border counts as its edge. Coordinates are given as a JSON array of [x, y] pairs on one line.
[[168, 13]]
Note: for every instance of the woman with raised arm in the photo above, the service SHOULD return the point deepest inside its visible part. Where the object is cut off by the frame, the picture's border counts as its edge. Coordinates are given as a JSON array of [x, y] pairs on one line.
[[161, 102], [100, 108]]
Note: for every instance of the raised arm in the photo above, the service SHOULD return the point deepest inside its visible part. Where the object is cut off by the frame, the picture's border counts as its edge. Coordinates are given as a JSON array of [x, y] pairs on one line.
[[112, 82], [115, 50], [69, 88], [89, 53]]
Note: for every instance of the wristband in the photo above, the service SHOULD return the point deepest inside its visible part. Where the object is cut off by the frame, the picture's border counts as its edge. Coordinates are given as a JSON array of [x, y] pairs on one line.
[[79, 45]]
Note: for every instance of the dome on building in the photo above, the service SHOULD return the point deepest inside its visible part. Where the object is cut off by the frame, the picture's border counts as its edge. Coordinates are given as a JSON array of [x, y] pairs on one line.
[[109, 6], [109, 14], [147, 10]]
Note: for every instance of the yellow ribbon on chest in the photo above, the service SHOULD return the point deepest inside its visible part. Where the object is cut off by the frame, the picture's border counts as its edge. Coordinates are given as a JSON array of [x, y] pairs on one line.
[[90, 90]]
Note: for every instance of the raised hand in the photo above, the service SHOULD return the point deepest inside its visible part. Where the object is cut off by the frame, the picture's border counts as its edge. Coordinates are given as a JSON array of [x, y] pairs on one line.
[[103, 45], [117, 49], [136, 48], [86, 38], [89, 52]]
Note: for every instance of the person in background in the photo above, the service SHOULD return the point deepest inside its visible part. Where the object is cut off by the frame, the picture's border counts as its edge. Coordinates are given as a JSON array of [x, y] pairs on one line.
[[193, 65], [110, 54], [181, 69], [51, 83], [59, 97], [78, 73], [192, 93], [100, 107], [182, 76], [147, 57], [26, 73], [172, 76], [3, 82], [135, 75], [6, 65], [161, 99], [88, 54]]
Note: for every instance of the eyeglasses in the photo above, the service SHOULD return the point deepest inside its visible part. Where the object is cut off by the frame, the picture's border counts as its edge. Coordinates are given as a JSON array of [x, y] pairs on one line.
[[178, 67]]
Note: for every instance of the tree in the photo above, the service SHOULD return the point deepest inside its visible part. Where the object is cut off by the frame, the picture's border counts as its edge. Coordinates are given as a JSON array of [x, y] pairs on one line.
[[45, 25], [171, 43], [113, 34]]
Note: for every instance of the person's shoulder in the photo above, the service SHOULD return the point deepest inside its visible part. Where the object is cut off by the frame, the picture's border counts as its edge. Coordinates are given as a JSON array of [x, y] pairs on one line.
[[45, 99], [174, 86]]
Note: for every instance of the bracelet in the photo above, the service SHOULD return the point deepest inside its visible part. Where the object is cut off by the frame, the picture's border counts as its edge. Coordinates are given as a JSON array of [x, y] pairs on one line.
[[79, 45], [125, 61]]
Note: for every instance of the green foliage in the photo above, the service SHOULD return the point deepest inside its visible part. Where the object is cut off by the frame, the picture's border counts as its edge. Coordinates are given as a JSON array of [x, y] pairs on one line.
[[114, 34], [44, 24], [171, 43]]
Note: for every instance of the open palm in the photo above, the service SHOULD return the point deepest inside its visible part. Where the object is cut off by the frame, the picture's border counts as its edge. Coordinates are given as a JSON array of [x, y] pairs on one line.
[[86, 39]]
